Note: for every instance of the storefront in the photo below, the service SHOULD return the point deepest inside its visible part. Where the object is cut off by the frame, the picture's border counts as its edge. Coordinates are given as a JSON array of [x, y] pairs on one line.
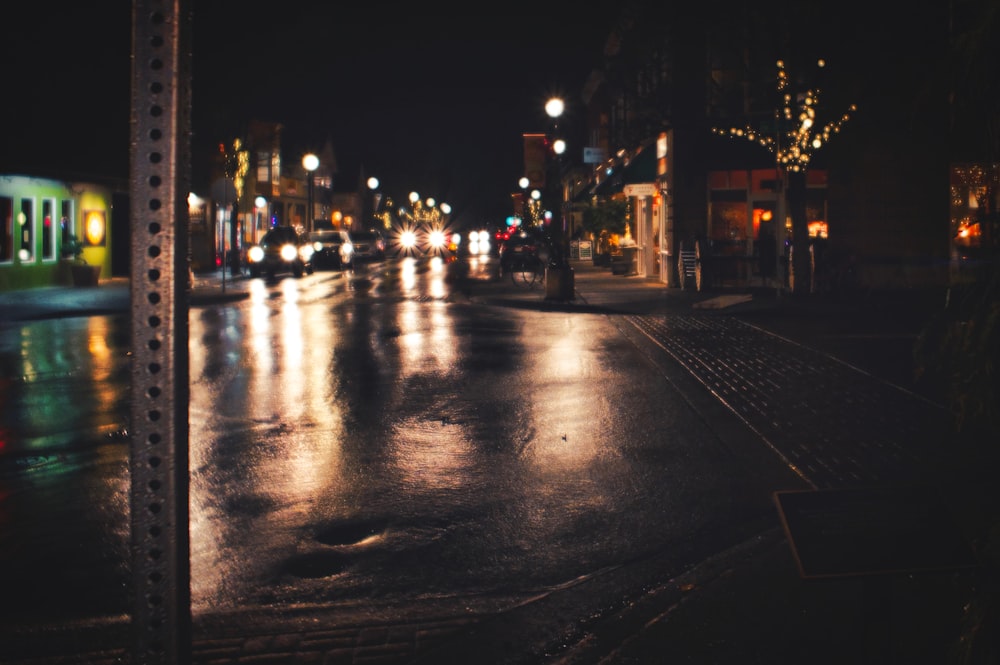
[[47, 226], [749, 227]]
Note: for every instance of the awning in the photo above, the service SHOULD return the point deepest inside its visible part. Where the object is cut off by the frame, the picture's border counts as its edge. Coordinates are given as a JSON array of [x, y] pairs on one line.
[[640, 168]]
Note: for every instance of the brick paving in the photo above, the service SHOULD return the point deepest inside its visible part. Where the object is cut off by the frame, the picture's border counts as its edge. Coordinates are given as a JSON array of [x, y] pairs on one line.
[[834, 423]]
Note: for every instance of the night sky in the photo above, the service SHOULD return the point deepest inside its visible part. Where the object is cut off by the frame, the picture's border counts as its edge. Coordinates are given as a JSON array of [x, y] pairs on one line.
[[416, 94], [422, 95]]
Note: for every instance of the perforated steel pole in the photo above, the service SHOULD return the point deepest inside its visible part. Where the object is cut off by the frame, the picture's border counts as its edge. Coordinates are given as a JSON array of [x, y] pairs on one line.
[[159, 186]]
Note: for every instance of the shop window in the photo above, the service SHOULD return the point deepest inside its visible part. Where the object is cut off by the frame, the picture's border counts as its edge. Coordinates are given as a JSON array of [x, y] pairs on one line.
[[728, 228], [764, 215], [816, 213], [48, 230], [67, 224], [7, 230], [26, 231]]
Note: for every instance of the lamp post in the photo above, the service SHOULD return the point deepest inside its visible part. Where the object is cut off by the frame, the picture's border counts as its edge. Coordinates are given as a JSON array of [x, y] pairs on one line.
[[373, 184], [258, 203], [559, 276], [310, 163], [554, 108]]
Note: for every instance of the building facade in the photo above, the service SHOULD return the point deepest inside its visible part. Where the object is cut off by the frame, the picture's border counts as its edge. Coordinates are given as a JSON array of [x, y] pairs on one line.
[[717, 102], [41, 219]]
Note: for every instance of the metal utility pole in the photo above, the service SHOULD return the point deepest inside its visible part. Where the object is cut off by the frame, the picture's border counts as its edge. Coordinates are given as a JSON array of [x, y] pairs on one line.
[[159, 183]]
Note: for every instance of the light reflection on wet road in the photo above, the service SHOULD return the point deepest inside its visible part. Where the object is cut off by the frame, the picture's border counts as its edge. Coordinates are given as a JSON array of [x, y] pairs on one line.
[[366, 441]]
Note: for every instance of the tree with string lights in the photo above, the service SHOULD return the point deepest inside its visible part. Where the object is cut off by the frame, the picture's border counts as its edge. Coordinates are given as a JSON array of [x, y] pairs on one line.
[[798, 136]]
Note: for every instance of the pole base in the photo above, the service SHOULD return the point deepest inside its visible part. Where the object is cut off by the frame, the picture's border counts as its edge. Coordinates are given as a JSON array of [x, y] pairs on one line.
[[559, 283]]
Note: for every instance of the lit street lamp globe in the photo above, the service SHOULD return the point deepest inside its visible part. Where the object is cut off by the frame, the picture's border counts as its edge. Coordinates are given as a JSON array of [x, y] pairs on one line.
[[554, 107], [310, 163]]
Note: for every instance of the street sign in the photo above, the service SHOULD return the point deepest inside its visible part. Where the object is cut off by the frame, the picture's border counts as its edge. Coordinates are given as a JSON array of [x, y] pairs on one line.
[[640, 189]]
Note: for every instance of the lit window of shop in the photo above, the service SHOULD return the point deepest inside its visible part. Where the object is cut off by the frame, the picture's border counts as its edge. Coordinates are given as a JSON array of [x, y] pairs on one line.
[[67, 223], [728, 221], [48, 230], [816, 213], [7, 230], [971, 188], [26, 231]]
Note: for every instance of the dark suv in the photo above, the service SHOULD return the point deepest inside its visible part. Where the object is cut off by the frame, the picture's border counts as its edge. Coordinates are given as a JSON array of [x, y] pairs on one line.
[[368, 245], [282, 249], [334, 248]]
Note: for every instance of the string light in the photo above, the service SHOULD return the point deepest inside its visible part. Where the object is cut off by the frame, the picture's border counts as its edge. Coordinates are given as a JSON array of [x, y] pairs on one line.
[[793, 148]]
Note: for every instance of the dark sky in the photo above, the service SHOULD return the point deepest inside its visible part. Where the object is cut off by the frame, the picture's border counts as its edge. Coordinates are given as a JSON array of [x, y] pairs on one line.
[[422, 96], [426, 97]]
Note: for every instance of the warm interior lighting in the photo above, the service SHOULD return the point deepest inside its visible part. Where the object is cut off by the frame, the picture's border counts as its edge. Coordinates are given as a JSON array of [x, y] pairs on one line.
[[817, 229], [94, 227]]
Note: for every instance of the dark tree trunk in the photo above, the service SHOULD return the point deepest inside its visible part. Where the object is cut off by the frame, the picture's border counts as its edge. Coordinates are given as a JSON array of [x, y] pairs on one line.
[[796, 197]]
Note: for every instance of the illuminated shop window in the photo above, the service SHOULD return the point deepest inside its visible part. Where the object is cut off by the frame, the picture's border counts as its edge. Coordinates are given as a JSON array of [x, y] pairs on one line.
[[26, 231], [49, 228], [6, 229]]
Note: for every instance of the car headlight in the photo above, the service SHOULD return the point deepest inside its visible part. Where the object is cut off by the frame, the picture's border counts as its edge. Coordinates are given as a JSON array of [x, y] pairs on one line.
[[289, 252], [306, 253], [255, 254], [408, 239], [317, 246], [347, 249], [437, 239]]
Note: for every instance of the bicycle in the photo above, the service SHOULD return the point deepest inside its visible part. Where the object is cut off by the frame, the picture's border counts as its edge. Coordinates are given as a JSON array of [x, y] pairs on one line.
[[526, 271]]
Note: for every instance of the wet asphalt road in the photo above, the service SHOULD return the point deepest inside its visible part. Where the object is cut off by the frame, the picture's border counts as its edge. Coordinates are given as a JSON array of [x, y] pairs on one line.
[[830, 423]]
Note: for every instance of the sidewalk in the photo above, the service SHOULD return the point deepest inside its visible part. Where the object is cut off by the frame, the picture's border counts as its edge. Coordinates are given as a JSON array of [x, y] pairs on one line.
[[109, 297]]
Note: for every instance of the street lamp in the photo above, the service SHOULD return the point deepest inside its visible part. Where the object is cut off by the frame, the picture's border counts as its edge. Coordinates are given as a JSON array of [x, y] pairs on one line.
[[258, 203], [310, 163], [554, 108], [559, 277], [373, 184]]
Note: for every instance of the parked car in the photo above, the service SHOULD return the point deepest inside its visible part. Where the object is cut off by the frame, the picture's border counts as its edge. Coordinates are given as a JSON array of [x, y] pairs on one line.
[[282, 249], [368, 245], [332, 248]]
